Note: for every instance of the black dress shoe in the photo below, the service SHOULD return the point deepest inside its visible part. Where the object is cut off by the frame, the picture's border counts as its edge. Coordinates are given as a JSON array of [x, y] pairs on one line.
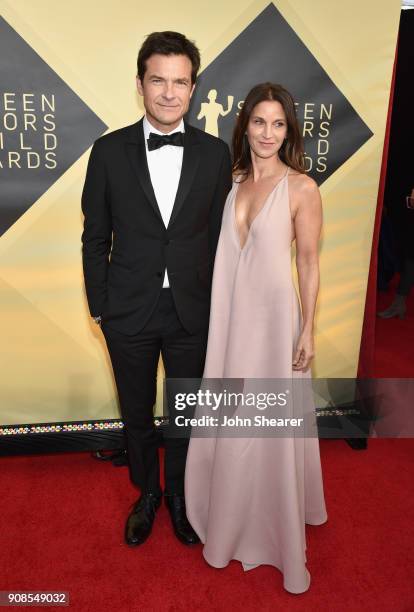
[[139, 523], [182, 528], [398, 308]]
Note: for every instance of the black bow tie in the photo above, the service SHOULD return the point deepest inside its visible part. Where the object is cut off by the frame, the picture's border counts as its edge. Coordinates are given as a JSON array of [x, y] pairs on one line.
[[155, 141]]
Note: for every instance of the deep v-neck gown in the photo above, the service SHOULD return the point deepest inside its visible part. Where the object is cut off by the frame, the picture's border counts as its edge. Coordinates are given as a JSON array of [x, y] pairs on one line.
[[249, 498]]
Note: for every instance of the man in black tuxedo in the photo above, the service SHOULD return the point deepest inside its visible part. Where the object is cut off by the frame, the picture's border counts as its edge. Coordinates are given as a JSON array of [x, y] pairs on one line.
[[153, 201]]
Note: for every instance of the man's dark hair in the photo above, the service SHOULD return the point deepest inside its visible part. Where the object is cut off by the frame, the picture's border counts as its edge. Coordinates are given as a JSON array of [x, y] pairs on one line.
[[168, 43]]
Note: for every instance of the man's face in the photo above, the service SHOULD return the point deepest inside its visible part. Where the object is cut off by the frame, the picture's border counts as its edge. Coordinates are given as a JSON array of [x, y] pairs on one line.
[[166, 89]]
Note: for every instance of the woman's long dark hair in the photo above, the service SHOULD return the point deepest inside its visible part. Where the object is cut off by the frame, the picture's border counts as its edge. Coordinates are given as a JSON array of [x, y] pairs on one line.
[[291, 152]]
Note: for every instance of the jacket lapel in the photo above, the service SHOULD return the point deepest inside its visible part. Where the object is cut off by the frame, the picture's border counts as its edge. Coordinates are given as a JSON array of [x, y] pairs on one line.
[[191, 159], [136, 153]]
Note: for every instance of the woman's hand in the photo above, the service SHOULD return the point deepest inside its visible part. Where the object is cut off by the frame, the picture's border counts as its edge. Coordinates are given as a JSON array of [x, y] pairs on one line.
[[304, 352]]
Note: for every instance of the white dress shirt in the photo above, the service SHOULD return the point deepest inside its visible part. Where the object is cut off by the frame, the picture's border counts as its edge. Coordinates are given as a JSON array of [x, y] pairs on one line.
[[164, 166]]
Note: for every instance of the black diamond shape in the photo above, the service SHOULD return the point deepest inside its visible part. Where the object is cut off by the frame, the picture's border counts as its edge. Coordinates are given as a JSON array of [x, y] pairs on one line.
[[23, 71], [269, 50]]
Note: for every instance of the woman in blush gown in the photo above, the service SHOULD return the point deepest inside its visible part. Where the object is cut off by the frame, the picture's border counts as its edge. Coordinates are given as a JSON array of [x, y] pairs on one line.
[[249, 498]]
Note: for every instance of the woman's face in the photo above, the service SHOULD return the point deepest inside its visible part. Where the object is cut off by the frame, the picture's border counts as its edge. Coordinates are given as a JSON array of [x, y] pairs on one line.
[[267, 128]]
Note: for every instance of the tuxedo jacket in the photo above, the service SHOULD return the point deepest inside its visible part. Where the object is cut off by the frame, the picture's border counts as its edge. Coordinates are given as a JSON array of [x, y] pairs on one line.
[[126, 246]]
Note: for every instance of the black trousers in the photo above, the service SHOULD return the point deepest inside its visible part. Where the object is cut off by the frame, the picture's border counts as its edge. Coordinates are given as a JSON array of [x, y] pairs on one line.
[[134, 362], [406, 277]]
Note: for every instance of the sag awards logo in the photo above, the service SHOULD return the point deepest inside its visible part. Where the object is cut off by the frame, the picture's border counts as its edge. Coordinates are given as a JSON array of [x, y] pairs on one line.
[[269, 50], [316, 123], [212, 110], [33, 119], [44, 126]]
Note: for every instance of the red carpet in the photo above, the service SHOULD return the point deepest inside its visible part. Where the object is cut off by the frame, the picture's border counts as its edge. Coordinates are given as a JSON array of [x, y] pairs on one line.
[[394, 347], [62, 528], [63, 517]]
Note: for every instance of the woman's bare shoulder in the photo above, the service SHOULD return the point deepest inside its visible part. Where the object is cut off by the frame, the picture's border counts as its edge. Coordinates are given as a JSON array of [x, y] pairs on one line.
[[302, 184]]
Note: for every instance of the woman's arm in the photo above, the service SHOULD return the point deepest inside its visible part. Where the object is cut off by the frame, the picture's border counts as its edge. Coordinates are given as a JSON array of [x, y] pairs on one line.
[[308, 224]]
